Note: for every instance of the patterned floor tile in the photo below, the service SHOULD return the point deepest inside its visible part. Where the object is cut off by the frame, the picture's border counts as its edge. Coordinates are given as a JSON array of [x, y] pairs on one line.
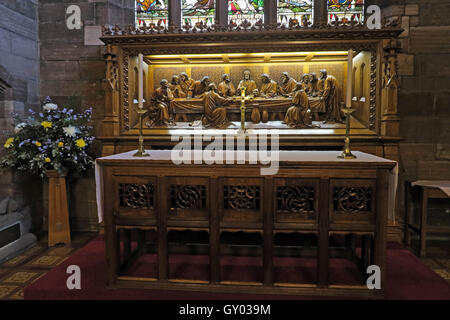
[[20, 277], [46, 261], [431, 263], [15, 261], [443, 273], [18, 295], [34, 250], [445, 263], [6, 290]]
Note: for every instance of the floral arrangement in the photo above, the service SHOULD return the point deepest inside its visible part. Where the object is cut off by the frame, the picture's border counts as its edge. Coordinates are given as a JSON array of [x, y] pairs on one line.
[[55, 139]]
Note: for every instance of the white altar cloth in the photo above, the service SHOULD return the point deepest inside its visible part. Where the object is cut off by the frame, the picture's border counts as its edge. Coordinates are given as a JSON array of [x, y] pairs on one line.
[[284, 156]]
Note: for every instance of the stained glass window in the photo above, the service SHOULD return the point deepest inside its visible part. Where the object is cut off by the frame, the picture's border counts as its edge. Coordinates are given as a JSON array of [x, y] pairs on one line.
[[345, 10], [152, 12], [241, 10], [195, 12], [295, 12]]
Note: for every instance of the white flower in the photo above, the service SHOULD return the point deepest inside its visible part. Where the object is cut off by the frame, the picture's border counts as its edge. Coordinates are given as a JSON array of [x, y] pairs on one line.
[[19, 127], [70, 131], [50, 106]]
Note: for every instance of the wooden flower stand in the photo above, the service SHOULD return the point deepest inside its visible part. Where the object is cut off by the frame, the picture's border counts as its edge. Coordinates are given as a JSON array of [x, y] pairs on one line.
[[58, 213]]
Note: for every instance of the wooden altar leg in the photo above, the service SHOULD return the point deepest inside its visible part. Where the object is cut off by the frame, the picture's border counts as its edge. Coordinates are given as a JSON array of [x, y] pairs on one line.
[[112, 246], [58, 213], [268, 234], [381, 218], [323, 241], [163, 266], [214, 234], [423, 222]]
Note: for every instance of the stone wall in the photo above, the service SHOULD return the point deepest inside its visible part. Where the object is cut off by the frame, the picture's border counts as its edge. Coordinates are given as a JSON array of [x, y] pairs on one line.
[[72, 73], [424, 98], [19, 77]]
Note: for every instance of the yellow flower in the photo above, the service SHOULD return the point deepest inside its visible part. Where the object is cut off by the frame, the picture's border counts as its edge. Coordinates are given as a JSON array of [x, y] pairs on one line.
[[46, 124], [9, 143], [60, 144], [48, 160], [38, 144], [80, 143]]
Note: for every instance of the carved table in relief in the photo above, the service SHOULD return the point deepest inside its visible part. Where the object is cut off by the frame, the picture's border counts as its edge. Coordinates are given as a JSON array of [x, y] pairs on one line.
[[276, 107], [312, 192]]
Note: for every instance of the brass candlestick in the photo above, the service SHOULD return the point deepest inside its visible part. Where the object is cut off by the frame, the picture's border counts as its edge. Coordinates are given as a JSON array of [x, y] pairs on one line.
[[346, 153], [141, 150], [243, 99]]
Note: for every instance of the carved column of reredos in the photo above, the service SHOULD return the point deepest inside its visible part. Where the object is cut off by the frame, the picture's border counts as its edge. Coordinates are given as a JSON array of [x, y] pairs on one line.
[[110, 124], [389, 94]]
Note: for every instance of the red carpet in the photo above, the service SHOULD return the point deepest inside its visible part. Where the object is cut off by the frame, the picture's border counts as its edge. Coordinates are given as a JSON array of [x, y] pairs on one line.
[[408, 277]]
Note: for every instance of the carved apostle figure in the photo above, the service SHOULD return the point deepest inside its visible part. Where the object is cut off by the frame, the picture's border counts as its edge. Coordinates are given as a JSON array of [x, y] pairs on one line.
[[313, 89], [226, 88], [199, 87], [159, 104], [175, 87], [185, 82], [215, 114], [269, 87], [305, 82], [247, 83], [287, 85], [299, 115], [331, 97]]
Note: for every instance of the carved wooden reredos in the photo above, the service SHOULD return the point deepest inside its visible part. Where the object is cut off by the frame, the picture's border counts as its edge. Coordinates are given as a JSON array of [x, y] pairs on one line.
[[266, 48]]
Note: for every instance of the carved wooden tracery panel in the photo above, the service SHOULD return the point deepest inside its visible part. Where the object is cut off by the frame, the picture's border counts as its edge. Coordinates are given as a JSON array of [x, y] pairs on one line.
[[241, 197], [188, 196], [136, 196], [296, 199], [352, 199]]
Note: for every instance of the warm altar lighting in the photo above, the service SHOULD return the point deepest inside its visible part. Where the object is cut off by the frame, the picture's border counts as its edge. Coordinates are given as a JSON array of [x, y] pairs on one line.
[[259, 57]]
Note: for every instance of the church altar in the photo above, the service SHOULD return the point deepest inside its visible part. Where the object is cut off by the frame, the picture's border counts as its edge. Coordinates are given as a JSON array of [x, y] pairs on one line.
[[313, 192]]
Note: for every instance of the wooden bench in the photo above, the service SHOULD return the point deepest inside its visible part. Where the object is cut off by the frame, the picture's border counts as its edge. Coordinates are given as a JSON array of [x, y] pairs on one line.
[[427, 190]]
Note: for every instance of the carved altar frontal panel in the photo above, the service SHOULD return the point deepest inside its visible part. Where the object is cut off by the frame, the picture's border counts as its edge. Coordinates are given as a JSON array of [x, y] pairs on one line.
[[352, 200], [136, 197], [188, 198], [296, 200], [241, 200]]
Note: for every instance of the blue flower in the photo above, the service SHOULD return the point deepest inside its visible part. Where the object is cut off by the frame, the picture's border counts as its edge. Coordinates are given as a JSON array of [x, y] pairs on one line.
[[41, 114], [64, 110]]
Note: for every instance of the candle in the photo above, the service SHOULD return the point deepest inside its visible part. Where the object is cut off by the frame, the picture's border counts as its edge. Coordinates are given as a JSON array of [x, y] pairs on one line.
[[349, 78], [141, 81]]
